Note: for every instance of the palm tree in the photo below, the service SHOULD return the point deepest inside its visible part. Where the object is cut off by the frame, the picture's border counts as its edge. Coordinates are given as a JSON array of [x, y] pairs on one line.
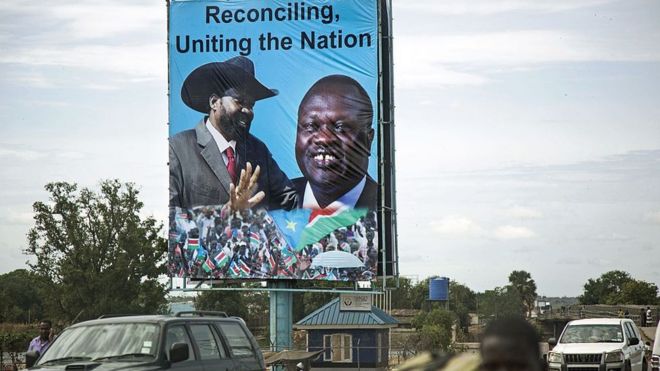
[[522, 282]]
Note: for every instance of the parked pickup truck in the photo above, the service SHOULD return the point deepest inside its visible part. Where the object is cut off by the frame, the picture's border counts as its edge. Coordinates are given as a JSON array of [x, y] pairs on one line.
[[598, 344]]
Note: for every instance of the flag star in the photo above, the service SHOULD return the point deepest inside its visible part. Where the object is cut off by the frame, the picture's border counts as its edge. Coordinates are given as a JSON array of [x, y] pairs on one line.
[[291, 225]]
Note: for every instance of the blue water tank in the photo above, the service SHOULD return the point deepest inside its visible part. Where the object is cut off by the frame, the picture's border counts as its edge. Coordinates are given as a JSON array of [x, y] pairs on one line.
[[439, 289]]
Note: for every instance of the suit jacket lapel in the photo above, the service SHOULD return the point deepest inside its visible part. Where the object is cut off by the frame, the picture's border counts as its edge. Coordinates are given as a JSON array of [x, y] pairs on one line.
[[212, 155], [242, 149], [368, 198]]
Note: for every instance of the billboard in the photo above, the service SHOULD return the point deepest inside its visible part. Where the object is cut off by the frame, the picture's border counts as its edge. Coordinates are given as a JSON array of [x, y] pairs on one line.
[[274, 139]]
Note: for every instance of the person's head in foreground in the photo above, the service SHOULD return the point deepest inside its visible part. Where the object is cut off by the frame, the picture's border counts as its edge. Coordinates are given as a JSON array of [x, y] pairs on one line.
[[510, 344]]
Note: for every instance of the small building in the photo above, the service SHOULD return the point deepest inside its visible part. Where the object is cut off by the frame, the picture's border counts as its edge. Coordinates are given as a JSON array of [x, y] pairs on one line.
[[350, 336]]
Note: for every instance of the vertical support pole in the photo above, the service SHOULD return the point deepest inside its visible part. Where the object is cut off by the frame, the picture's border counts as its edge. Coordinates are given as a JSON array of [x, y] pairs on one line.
[[281, 316]]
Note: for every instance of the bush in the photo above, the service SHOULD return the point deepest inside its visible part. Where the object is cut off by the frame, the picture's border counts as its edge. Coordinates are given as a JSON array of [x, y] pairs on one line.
[[15, 339]]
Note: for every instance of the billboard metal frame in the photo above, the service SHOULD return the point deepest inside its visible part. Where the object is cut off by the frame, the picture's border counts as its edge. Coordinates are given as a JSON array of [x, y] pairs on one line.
[[387, 168], [269, 288]]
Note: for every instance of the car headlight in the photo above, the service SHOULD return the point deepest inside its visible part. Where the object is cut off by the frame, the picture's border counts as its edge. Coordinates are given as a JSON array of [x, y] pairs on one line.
[[554, 357], [655, 361], [614, 356]]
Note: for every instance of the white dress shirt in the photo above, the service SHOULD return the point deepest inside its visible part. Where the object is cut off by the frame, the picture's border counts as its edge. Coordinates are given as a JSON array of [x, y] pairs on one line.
[[349, 199], [221, 141]]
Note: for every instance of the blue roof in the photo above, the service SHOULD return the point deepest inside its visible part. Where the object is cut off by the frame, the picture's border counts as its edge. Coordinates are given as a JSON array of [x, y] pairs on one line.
[[330, 315]]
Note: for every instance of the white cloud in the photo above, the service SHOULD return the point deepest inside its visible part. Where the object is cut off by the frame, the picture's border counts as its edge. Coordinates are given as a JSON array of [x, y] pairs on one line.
[[31, 155], [510, 232], [13, 217], [520, 212], [21, 154], [524, 47], [487, 7], [70, 155], [653, 217], [90, 19], [456, 226], [411, 74], [33, 79], [128, 60], [569, 260], [471, 58], [612, 236], [95, 36]]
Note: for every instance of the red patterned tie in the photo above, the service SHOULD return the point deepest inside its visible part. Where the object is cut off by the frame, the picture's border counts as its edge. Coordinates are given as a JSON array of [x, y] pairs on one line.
[[231, 164]]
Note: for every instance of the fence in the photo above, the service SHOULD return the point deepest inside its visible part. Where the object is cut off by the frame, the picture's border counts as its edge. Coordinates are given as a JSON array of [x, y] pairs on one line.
[[578, 312], [10, 361]]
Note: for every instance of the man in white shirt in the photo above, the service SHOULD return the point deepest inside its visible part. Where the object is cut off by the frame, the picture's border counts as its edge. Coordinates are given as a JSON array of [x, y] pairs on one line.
[[206, 223], [333, 143]]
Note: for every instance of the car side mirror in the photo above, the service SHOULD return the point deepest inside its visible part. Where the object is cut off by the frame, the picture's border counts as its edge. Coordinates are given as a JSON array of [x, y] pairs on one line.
[[552, 342], [31, 358], [179, 352], [648, 344], [633, 341]]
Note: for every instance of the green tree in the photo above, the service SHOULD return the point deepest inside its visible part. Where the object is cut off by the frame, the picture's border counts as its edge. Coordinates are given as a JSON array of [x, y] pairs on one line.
[[401, 296], [462, 301], [14, 339], [433, 329], [20, 299], [305, 303], [249, 305], [639, 293], [95, 253], [606, 289], [231, 302], [522, 282], [499, 302], [315, 300], [419, 295]]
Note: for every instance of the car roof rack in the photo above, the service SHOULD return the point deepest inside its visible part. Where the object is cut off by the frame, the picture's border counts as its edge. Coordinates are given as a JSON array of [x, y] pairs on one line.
[[202, 313], [114, 315]]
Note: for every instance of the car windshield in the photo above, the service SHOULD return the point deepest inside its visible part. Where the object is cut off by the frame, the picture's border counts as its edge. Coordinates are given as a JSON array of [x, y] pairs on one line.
[[116, 341], [592, 334]]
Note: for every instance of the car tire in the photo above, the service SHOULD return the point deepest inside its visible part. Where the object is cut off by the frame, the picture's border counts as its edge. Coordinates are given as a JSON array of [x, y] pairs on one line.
[[627, 367]]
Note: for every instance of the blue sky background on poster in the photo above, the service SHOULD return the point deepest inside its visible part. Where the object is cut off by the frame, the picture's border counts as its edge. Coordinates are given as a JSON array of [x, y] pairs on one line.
[[291, 71]]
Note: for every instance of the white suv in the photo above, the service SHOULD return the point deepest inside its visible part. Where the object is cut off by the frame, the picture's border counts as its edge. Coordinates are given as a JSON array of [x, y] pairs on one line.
[[598, 344]]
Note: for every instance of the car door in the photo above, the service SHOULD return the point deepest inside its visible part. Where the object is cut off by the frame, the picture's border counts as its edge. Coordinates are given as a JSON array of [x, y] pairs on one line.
[[242, 345], [636, 351], [179, 334], [213, 355]]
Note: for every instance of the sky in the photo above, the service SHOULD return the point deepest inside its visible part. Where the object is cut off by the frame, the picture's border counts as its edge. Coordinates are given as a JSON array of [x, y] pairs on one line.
[[527, 132]]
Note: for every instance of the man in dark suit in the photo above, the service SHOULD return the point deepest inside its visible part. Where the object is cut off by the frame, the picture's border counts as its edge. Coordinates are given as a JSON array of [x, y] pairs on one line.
[[212, 164], [333, 142]]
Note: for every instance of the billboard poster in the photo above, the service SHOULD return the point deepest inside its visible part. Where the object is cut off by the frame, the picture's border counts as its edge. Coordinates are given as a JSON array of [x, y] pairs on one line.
[[273, 139]]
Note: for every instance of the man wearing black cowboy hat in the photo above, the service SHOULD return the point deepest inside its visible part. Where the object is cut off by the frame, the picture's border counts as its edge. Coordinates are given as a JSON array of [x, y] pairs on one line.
[[212, 164]]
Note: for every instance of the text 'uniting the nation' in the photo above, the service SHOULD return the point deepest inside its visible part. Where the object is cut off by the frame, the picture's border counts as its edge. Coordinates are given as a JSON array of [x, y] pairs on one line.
[[271, 41]]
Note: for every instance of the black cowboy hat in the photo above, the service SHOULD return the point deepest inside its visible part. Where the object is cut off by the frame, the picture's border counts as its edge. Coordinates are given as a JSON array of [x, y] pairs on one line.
[[218, 77]]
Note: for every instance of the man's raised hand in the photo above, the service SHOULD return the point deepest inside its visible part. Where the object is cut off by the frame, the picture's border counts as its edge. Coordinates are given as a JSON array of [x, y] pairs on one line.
[[240, 196]]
